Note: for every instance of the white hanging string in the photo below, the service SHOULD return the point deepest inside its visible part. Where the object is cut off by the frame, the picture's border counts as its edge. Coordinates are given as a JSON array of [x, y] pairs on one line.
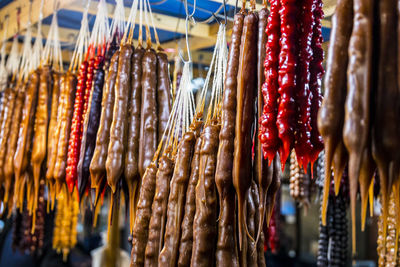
[[130, 26], [217, 71], [52, 50], [82, 41], [118, 24], [14, 58], [140, 23], [154, 28], [3, 69], [100, 29], [26, 52], [38, 45], [181, 116]]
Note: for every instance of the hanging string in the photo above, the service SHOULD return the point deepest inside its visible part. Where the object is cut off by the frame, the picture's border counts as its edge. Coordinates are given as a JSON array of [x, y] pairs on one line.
[[118, 24], [130, 27], [100, 30], [26, 53], [265, 3], [148, 35], [38, 45], [82, 41], [181, 116], [218, 69], [3, 70], [13, 61], [253, 4], [52, 51], [141, 25], [188, 17], [243, 6], [154, 28]]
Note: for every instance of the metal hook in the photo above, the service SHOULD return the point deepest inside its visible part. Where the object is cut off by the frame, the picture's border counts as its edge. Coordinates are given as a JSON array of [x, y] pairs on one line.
[[188, 17], [236, 5], [216, 19], [225, 15]]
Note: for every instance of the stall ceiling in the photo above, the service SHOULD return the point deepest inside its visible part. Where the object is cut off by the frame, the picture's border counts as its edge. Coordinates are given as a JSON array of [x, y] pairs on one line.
[[169, 19]]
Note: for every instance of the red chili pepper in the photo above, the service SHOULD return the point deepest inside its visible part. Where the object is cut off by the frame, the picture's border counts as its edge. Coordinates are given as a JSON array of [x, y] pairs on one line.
[[74, 143], [268, 129], [316, 71], [287, 77], [303, 145]]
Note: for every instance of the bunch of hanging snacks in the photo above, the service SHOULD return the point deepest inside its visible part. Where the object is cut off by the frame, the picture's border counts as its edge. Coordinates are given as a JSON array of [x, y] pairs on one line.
[[359, 107]]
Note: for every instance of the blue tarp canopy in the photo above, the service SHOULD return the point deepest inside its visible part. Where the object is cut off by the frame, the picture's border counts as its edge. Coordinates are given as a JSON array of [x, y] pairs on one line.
[[71, 19]]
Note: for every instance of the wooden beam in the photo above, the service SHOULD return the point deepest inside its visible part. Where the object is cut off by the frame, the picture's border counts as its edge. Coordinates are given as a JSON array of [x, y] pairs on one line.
[[162, 22], [66, 35], [233, 3], [10, 10], [195, 43]]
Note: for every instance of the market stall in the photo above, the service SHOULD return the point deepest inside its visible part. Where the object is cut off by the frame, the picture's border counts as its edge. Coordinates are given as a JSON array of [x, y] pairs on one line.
[[199, 133]]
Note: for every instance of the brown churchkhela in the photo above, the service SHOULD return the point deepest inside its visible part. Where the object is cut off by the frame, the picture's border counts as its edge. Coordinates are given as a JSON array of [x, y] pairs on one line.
[[64, 129], [2, 104], [98, 164], [260, 243], [39, 146], [242, 163], [148, 120], [131, 171], [262, 176], [26, 127], [176, 200], [275, 169], [226, 252], [331, 114], [385, 143], [118, 130], [51, 133], [10, 97], [186, 242], [163, 93], [252, 256], [159, 211], [141, 226], [205, 220], [12, 139], [357, 117], [367, 171]]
